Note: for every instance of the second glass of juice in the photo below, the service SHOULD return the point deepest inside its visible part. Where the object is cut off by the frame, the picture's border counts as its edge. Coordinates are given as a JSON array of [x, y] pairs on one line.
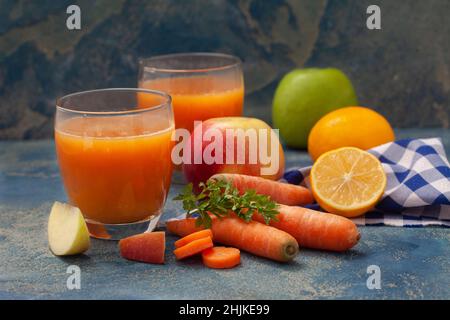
[[114, 155], [202, 85]]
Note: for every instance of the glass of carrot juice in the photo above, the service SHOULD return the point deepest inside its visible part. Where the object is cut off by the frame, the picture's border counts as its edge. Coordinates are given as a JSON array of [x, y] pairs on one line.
[[202, 85], [114, 154]]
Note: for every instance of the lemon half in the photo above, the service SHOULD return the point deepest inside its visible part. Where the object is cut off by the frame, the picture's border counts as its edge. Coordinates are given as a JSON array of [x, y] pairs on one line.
[[347, 181]]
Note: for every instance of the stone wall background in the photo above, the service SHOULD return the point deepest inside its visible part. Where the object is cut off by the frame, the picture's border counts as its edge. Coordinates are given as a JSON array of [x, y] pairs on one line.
[[402, 70]]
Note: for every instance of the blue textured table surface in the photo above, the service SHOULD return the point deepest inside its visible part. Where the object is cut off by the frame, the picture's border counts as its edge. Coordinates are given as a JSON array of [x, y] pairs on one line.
[[414, 263]]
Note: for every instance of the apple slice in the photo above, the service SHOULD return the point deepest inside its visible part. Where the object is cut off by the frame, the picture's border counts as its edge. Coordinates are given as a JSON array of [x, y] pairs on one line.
[[67, 230]]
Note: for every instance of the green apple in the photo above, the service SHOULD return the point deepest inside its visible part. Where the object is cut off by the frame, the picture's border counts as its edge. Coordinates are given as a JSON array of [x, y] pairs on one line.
[[303, 96], [67, 230]]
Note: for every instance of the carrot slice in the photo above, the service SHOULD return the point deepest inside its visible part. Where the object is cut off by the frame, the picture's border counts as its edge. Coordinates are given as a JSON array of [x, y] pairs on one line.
[[193, 248], [193, 236], [221, 257]]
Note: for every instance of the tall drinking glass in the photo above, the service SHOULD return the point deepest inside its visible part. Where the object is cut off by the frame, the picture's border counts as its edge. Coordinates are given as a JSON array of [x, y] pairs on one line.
[[202, 85], [114, 154]]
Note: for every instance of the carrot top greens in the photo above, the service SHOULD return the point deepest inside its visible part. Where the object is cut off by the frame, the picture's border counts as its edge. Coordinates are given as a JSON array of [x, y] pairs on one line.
[[220, 198]]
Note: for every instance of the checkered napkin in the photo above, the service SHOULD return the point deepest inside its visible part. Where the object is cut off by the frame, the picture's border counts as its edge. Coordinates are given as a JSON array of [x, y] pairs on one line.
[[418, 184]]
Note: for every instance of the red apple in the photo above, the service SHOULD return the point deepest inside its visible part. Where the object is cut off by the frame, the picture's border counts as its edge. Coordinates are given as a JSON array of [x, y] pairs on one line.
[[233, 145]]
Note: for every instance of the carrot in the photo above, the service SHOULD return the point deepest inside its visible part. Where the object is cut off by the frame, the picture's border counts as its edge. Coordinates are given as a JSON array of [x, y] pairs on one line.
[[280, 192], [144, 247], [193, 248], [183, 227], [193, 236], [314, 229], [254, 237], [221, 257]]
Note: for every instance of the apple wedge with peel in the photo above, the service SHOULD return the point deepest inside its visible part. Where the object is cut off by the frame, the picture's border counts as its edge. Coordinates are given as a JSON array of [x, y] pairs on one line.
[[67, 230]]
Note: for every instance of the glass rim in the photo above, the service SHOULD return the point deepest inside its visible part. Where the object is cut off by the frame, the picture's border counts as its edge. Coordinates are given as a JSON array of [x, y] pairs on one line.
[[167, 102], [235, 62]]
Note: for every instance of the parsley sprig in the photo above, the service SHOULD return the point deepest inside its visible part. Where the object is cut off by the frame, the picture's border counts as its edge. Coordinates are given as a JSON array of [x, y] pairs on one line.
[[220, 198]]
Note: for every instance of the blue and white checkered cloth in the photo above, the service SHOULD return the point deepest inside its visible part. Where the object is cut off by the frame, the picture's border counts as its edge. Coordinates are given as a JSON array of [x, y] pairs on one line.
[[418, 184]]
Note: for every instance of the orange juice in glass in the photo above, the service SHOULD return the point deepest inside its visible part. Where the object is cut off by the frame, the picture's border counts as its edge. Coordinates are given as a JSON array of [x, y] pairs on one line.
[[202, 85], [114, 155]]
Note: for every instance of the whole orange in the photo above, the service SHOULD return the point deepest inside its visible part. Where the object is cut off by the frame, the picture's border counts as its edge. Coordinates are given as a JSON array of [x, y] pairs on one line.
[[358, 127]]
